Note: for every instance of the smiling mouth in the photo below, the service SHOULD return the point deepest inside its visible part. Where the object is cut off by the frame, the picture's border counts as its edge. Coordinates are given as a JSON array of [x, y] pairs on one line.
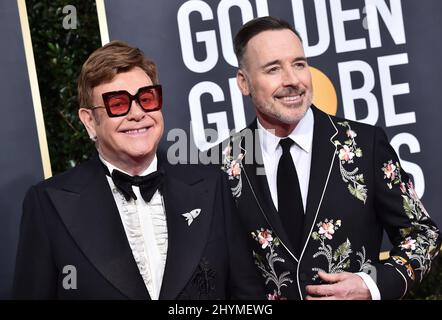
[[290, 100], [136, 131]]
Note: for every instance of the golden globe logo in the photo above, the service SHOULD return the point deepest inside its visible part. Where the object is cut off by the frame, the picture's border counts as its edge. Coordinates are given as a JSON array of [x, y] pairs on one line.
[[324, 93]]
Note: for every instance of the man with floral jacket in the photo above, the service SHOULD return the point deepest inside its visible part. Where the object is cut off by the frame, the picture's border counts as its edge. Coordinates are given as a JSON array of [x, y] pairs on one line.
[[351, 185]]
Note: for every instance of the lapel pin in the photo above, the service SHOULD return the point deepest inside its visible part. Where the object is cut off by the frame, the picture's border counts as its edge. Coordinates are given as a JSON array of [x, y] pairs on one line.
[[191, 215]]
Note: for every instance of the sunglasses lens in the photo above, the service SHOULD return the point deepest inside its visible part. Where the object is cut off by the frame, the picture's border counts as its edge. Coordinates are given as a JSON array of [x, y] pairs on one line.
[[118, 104], [149, 99]]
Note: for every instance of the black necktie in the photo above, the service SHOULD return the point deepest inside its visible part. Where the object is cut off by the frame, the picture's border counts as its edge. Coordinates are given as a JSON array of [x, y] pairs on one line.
[[290, 208], [148, 184]]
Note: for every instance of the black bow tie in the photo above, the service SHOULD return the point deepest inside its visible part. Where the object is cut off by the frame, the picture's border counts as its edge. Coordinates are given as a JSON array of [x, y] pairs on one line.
[[148, 184]]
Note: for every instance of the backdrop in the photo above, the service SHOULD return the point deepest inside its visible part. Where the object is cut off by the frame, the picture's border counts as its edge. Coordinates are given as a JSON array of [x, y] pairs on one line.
[[375, 61], [20, 155]]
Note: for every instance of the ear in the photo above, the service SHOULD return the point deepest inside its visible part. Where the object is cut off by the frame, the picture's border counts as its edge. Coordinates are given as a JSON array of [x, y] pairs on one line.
[[241, 80], [89, 123]]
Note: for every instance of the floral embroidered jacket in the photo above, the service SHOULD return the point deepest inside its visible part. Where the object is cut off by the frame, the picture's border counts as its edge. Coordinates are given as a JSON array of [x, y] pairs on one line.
[[357, 190]]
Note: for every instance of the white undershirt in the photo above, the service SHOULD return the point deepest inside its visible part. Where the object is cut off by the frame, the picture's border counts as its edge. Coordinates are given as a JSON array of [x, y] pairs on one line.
[[301, 152], [146, 230]]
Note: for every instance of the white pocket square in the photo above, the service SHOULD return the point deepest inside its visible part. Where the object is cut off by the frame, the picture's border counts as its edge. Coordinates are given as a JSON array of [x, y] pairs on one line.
[[191, 215]]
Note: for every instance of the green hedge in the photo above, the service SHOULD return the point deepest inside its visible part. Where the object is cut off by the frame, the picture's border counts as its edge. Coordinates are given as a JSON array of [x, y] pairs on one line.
[[59, 54]]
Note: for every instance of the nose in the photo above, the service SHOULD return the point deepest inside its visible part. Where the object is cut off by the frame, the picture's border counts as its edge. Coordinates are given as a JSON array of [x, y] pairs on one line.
[[290, 77], [136, 112]]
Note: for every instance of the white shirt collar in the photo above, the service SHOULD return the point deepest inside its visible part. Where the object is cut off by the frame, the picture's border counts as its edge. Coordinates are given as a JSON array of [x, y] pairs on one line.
[[151, 168], [302, 135]]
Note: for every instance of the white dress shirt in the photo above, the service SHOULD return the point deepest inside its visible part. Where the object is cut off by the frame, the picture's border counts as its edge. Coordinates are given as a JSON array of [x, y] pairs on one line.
[[146, 230], [301, 152]]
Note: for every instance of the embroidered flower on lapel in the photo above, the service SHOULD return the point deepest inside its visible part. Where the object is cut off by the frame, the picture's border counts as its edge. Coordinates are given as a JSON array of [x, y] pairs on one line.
[[420, 239], [190, 216], [346, 154], [233, 166], [267, 266], [230, 165], [347, 151], [265, 238], [390, 171], [338, 260]]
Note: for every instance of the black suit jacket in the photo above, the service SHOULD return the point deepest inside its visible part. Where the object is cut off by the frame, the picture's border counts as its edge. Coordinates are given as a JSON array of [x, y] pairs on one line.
[[72, 220], [357, 189]]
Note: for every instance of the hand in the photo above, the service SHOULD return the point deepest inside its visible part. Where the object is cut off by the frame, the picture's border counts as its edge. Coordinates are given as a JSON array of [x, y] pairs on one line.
[[341, 286]]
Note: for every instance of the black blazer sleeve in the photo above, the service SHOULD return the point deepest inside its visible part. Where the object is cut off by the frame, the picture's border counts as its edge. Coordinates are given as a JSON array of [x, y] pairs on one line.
[[35, 271], [244, 280], [416, 239]]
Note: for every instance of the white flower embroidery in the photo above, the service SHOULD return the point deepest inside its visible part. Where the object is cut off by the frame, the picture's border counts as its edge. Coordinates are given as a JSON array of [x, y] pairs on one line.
[[421, 239], [327, 229], [351, 134], [390, 171], [232, 167], [267, 266], [339, 259], [346, 154], [265, 238], [409, 244]]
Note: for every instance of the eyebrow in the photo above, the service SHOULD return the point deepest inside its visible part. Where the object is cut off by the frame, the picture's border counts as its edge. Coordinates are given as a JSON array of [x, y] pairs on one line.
[[278, 61]]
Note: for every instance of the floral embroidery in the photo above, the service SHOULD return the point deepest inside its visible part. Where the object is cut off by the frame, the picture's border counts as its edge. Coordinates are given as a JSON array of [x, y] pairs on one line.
[[420, 239], [265, 238], [346, 152], [364, 263], [390, 172], [275, 297], [339, 260], [328, 229], [233, 168], [403, 262], [267, 267], [408, 244]]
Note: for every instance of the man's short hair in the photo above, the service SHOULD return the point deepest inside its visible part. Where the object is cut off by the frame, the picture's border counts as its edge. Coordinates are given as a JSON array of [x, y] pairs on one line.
[[254, 27], [105, 63]]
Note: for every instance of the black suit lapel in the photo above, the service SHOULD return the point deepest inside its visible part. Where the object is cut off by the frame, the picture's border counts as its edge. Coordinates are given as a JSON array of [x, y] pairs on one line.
[[89, 212], [323, 155], [186, 242], [255, 176]]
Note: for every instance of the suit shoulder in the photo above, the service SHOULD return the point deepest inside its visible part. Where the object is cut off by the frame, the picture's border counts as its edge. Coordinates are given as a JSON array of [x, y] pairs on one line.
[[192, 172], [356, 126], [60, 180]]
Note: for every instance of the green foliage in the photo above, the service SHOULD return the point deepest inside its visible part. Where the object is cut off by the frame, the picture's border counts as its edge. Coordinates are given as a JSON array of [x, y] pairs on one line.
[[342, 251], [59, 54]]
